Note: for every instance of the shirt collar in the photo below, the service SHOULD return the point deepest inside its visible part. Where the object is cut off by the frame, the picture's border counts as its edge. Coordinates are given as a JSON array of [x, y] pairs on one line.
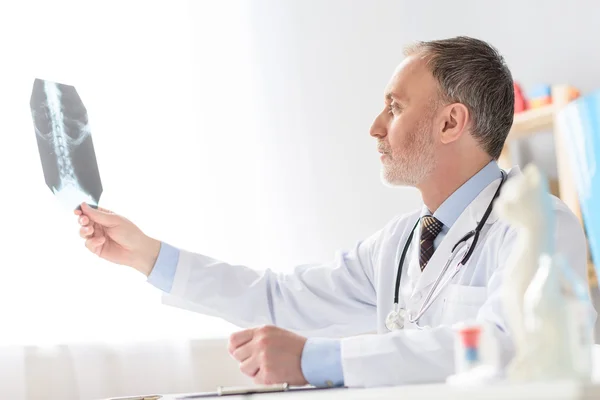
[[458, 201]]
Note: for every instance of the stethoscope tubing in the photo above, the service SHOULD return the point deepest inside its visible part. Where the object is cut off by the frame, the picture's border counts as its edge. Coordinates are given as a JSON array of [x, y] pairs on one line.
[[455, 249]]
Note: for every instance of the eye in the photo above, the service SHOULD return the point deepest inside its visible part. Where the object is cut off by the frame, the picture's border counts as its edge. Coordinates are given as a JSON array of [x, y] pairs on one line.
[[393, 108]]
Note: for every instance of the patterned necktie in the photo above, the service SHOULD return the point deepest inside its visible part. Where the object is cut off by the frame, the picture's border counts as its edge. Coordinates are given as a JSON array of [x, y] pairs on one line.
[[430, 228]]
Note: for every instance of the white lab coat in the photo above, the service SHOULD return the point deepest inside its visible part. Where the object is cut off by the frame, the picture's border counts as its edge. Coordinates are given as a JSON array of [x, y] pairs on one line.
[[353, 294]]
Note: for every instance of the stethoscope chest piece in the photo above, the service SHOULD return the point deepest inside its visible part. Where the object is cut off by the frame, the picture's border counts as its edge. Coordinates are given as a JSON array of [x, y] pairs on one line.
[[395, 319]]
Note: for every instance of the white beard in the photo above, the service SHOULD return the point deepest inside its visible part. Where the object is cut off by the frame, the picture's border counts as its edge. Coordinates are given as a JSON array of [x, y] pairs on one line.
[[410, 166]]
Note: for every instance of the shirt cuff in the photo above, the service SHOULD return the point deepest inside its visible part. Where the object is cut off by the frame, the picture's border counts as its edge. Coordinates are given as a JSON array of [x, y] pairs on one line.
[[321, 362], [163, 273]]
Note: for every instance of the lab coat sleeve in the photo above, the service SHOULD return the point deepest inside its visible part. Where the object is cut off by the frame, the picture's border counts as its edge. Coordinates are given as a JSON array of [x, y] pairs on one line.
[[419, 356], [329, 300]]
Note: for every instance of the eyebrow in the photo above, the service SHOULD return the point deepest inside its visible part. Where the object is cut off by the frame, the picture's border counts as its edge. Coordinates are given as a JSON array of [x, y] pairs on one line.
[[389, 96]]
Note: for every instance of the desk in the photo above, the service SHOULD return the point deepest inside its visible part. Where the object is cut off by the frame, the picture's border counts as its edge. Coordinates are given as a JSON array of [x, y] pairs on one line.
[[558, 390], [530, 391]]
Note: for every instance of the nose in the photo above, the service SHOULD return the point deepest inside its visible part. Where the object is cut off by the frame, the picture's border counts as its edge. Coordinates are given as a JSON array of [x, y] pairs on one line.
[[379, 127]]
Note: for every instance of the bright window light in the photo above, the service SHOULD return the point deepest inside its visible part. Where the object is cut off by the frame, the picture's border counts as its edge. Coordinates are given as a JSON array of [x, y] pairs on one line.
[[156, 78]]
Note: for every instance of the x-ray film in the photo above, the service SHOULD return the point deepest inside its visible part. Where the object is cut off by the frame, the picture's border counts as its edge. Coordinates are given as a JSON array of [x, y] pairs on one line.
[[65, 143]]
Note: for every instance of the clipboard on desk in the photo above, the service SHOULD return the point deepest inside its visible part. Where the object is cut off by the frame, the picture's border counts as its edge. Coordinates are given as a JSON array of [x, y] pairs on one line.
[[248, 390], [223, 391]]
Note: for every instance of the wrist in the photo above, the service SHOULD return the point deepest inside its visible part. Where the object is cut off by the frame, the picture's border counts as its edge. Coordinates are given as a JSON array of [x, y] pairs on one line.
[[321, 362], [148, 254]]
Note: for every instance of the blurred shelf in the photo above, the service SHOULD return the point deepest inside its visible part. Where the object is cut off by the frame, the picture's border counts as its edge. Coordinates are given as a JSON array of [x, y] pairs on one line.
[[532, 121], [543, 119]]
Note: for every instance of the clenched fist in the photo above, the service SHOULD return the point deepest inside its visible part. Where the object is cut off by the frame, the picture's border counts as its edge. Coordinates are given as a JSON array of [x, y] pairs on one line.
[[269, 355]]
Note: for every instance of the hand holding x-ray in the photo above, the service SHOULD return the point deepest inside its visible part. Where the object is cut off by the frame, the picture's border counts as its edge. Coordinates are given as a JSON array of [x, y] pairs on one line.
[[117, 239], [69, 162]]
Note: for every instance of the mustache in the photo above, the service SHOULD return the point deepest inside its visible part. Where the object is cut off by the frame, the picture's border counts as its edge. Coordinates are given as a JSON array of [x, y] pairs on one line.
[[383, 148]]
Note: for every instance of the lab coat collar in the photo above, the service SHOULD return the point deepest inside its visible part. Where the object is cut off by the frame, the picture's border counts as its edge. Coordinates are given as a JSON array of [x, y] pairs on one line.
[[466, 222]]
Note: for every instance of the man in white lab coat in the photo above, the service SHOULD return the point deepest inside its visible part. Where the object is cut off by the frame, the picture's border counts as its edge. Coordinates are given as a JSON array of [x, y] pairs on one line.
[[447, 111]]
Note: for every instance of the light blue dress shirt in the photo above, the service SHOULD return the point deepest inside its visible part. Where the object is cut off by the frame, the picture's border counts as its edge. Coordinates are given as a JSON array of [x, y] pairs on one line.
[[321, 358], [454, 205]]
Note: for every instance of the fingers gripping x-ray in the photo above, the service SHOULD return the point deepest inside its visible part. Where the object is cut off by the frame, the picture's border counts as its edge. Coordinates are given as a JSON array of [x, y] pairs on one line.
[[65, 143]]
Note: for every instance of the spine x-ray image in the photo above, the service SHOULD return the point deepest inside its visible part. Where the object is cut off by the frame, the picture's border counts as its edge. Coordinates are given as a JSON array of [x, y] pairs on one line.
[[65, 143]]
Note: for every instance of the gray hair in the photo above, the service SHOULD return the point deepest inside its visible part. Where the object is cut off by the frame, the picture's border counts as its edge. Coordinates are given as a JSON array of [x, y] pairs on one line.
[[472, 72]]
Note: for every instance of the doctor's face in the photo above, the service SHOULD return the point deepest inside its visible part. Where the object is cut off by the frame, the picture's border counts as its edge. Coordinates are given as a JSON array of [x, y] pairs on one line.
[[404, 128]]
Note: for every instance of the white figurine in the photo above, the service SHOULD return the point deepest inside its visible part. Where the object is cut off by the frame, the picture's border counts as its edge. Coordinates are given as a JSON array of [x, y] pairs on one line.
[[522, 204], [543, 302], [546, 313]]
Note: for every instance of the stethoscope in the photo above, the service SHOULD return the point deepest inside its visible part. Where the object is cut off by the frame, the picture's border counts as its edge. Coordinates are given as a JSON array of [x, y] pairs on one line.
[[396, 317]]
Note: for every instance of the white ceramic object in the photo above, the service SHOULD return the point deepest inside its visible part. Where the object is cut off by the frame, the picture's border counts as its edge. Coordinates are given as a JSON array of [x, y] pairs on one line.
[[547, 313], [545, 303], [523, 203]]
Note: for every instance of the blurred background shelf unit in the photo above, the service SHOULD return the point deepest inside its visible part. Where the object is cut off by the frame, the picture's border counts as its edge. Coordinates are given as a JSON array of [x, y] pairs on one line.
[[544, 119]]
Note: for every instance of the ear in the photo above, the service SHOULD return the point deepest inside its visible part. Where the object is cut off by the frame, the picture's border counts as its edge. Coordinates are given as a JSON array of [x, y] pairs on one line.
[[455, 117]]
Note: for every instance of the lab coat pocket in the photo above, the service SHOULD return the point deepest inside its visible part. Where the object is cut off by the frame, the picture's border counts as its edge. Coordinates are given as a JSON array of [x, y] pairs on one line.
[[462, 302]]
